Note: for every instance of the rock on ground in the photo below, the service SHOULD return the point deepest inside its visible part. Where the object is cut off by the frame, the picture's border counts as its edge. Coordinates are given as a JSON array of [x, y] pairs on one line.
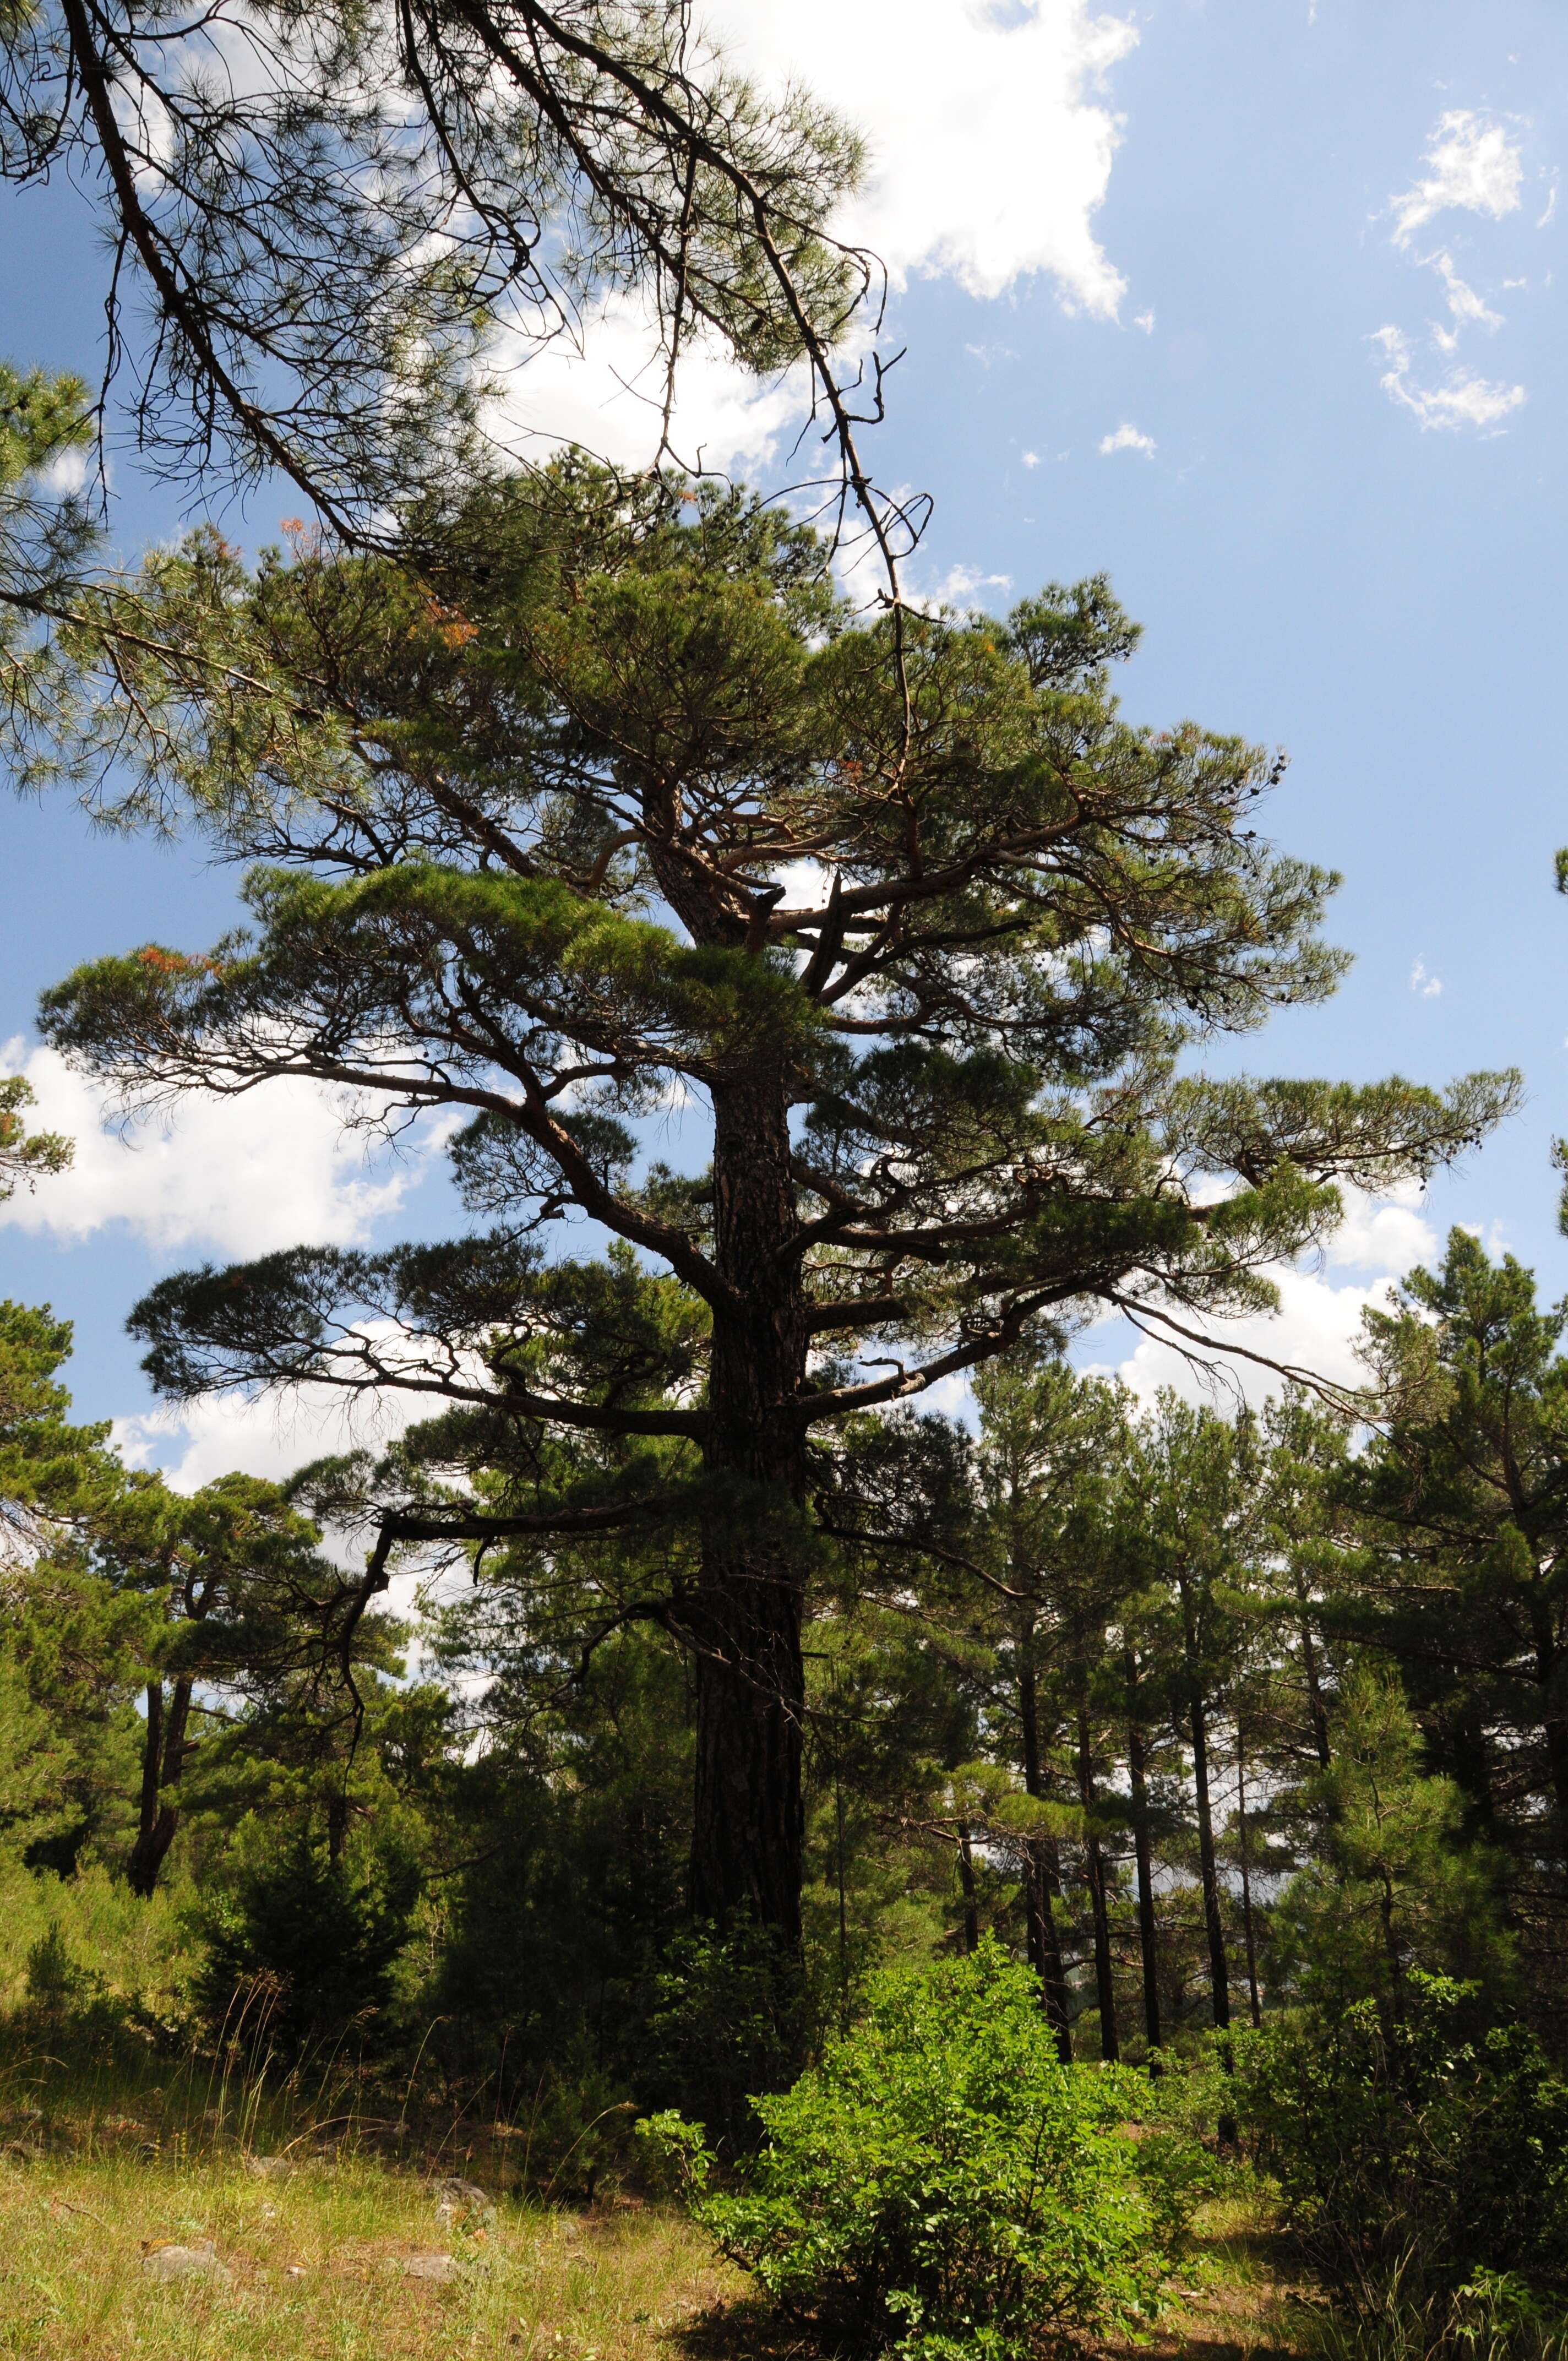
[[175, 2262]]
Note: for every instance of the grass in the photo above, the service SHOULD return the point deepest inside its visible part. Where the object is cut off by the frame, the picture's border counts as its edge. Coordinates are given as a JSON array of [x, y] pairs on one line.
[[315, 2253], [324, 2223], [1236, 2298]]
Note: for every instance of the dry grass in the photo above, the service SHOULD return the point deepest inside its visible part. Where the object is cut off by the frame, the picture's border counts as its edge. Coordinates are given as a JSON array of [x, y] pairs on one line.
[[313, 2247], [316, 2262]]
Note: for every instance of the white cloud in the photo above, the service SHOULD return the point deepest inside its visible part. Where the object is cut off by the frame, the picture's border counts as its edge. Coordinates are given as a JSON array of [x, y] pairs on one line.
[[66, 473], [607, 396], [272, 1433], [1474, 166], [1031, 458], [242, 1175], [1317, 1328], [1468, 308], [1127, 438], [1461, 400], [1318, 1325], [958, 587], [1144, 320], [1424, 986], [195, 1442], [1382, 1233], [990, 153]]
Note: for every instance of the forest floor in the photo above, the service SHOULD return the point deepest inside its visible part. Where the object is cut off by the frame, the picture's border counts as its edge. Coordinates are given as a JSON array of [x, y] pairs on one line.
[[124, 2238]]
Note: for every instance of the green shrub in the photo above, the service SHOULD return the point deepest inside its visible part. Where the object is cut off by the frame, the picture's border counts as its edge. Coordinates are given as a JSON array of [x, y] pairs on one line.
[[941, 2184], [301, 1949], [1427, 2147]]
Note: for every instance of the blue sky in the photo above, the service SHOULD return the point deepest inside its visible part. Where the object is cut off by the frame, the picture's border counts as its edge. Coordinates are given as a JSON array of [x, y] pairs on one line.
[[1310, 260]]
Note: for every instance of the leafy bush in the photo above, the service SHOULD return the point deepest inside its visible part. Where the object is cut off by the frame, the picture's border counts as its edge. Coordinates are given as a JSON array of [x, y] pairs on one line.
[[941, 2184], [1423, 2148]]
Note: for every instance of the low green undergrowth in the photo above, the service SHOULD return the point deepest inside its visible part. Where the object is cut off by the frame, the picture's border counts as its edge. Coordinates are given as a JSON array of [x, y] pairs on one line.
[[942, 2186]]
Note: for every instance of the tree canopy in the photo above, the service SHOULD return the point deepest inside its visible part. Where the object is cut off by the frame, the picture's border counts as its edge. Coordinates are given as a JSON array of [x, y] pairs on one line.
[[333, 233], [599, 804]]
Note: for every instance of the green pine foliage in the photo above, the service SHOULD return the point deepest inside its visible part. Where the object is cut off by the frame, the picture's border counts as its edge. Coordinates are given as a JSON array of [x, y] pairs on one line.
[[867, 1782], [523, 819]]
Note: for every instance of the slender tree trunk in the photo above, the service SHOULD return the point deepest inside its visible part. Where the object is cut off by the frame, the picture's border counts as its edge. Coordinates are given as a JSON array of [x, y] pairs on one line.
[[1042, 1873], [1472, 1758], [336, 1828], [965, 1883], [162, 1761], [1137, 1771], [1214, 1925], [1245, 1848], [143, 1871], [1218, 1971], [745, 1623], [1104, 1982], [1549, 1676], [1315, 1706]]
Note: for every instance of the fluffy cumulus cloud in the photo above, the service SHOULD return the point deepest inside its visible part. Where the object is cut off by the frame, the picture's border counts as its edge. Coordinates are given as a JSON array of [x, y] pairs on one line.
[[606, 393], [193, 1443], [1318, 1324], [1474, 165], [990, 144], [1127, 438], [238, 1176]]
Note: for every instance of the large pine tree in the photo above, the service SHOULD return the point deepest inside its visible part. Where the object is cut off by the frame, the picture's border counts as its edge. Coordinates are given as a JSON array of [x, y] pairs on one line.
[[598, 803]]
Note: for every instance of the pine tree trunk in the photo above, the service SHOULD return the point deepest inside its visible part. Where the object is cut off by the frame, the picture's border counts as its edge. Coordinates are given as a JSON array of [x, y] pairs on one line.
[[966, 1887], [1547, 1673], [143, 1871], [1246, 1880], [1218, 1971], [1315, 1706], [1104, 1982], [1042, 1873], [745, 1622], [1137, 1771], [163, 1759]]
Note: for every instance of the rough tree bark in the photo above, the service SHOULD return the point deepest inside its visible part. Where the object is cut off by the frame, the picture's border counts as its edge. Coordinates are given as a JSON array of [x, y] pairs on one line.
[[1094, 1857], [1549, 1679], [1315, 1706], [1137, 1768], [1244, 1846], [1042, 1872], [967, 1888], [164, 1748], [1198, 1728], [751, 1679]]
